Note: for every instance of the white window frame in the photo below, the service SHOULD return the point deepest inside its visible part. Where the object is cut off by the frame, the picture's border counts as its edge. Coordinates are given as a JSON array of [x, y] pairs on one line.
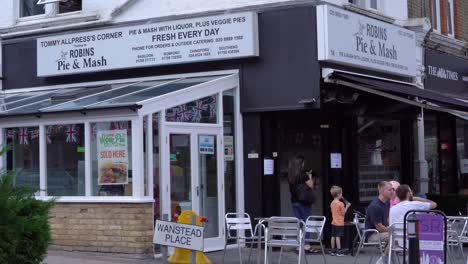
[[155, 105], [436, 11], [51, 10], [451, 21], [368, 5]]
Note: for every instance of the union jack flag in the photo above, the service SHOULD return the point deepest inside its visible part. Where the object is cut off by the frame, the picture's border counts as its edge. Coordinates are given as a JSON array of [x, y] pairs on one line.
[[34, 134], [10, 133], [117, 125], [171, 115], [183, 114], [71, 134], [197, 110], [212, 105], [23, 136], [48, 135]]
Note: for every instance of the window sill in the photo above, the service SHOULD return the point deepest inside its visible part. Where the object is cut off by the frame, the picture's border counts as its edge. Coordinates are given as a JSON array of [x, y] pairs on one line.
[[438, 39], [98, 199], [369, 12], [44, 21]]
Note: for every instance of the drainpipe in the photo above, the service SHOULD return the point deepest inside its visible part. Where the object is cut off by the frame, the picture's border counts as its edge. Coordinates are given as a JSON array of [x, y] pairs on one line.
[[421, 27]]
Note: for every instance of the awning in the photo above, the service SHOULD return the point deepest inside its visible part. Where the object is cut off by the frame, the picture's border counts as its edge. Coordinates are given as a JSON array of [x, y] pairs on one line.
[[399, 91], [121, 95]]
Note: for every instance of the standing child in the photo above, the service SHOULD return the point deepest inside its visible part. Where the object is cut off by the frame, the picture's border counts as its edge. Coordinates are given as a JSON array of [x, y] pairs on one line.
[[338, 212]]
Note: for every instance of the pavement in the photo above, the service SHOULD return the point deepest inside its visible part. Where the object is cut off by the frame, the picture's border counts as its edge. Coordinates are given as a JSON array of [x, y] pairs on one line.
[[232, 256]]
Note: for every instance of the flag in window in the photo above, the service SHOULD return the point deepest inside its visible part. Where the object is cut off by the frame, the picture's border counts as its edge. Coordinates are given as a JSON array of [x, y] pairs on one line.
[[49, 135], [23, 136], [197, 110], [71, 134]]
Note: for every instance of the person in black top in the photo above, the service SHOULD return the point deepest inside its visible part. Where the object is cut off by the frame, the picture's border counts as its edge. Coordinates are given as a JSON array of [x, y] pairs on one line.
[[298, 175], [377, 212]]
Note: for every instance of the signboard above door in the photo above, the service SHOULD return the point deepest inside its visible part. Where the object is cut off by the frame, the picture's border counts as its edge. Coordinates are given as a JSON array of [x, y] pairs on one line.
[[351, 39], [172, 42]]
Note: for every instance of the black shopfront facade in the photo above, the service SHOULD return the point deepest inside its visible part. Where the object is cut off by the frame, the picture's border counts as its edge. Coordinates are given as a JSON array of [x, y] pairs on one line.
[[446, 133]]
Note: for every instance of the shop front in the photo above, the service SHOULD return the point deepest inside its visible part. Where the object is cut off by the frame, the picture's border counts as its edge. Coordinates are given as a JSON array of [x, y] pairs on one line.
[[120, 147], [446, 131]]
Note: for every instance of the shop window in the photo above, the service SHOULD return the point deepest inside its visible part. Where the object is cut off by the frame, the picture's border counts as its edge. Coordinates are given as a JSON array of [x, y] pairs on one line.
[[229, 150], [65, 160], [203, 110], [31, 8], [450, 18], [435, 15], [23, 158], [111, 157], [462, 153], [379, 154], [35, 7], [431, 144]]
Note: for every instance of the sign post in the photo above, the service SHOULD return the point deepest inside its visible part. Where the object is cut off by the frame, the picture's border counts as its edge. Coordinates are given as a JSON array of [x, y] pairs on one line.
[[431, 231], [186, 236]]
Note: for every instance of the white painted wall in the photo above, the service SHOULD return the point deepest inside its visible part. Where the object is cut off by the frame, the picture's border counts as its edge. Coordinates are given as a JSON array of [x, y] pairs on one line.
[[397, 9], [146, 9]]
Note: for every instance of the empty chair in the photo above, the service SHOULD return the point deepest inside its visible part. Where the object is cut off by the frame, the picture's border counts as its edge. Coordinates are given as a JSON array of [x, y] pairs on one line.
[[314, 230], [363, 233], [456, 230], [395, 244], [284, 232], [239, 228]]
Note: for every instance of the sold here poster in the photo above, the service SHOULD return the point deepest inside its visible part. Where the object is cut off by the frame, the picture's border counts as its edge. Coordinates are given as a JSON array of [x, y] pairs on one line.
[[112, 157]]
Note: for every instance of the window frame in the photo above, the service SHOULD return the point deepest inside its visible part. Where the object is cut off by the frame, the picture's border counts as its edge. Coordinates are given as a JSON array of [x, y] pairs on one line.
[[48, 12], [451, 18], [435, 14]]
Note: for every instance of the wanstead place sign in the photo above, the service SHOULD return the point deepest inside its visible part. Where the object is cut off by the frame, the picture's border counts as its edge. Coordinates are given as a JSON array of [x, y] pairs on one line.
[[351, 39], [181, 41]]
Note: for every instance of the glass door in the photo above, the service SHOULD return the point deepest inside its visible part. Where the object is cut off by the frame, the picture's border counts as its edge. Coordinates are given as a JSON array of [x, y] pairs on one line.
[[196, 178]]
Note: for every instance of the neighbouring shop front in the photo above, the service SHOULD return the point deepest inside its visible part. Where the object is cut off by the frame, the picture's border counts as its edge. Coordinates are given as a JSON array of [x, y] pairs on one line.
[[446, 132]]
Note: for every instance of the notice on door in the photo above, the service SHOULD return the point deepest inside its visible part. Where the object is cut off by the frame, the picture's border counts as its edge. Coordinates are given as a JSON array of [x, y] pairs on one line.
[[228, 148], [112, 157], [206, 144], [178, 235]]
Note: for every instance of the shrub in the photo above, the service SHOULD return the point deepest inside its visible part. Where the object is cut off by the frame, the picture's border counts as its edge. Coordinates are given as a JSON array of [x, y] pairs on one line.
[[24, 227]]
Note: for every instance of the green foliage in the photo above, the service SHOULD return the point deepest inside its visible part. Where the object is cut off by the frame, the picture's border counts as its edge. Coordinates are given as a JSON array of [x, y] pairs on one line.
[[24, 227], [450, 204]]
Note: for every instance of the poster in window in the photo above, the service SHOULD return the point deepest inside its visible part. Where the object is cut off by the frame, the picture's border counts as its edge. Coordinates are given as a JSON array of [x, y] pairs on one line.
[[228, 148], [112, 157]]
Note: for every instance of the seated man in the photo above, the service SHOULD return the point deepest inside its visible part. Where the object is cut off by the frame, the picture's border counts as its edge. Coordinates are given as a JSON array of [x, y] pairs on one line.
[[377, 213], [407, 203]]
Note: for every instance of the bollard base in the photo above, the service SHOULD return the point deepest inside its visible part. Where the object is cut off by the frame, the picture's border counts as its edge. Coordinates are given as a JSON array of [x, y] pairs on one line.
[[182, 256]]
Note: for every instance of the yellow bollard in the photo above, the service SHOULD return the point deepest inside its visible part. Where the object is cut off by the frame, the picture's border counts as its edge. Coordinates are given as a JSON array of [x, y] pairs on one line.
[[182, 255]]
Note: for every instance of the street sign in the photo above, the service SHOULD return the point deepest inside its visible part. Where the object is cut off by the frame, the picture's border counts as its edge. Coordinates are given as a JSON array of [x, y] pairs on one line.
[[178, 235]]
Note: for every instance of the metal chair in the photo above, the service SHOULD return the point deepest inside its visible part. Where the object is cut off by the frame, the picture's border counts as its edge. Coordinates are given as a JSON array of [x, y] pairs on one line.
[[395, 244], [284, 232], [239, 228], [314, 228], [456, 235], [359, 222]]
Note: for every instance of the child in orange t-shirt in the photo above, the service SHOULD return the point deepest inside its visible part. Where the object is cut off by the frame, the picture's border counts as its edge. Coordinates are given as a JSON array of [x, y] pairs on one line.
[[338, 212]]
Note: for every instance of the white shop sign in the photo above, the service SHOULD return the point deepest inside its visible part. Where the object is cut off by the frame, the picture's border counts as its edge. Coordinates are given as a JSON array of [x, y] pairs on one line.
[[173, 42], [351, 39], [178, 235]]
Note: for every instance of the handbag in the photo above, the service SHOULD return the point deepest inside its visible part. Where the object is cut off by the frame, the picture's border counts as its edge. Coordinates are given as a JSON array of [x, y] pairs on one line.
[[305, 195]]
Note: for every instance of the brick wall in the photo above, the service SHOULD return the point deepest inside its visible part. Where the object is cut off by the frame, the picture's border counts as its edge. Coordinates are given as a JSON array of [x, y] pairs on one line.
[[462, 19], [109, 227]]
